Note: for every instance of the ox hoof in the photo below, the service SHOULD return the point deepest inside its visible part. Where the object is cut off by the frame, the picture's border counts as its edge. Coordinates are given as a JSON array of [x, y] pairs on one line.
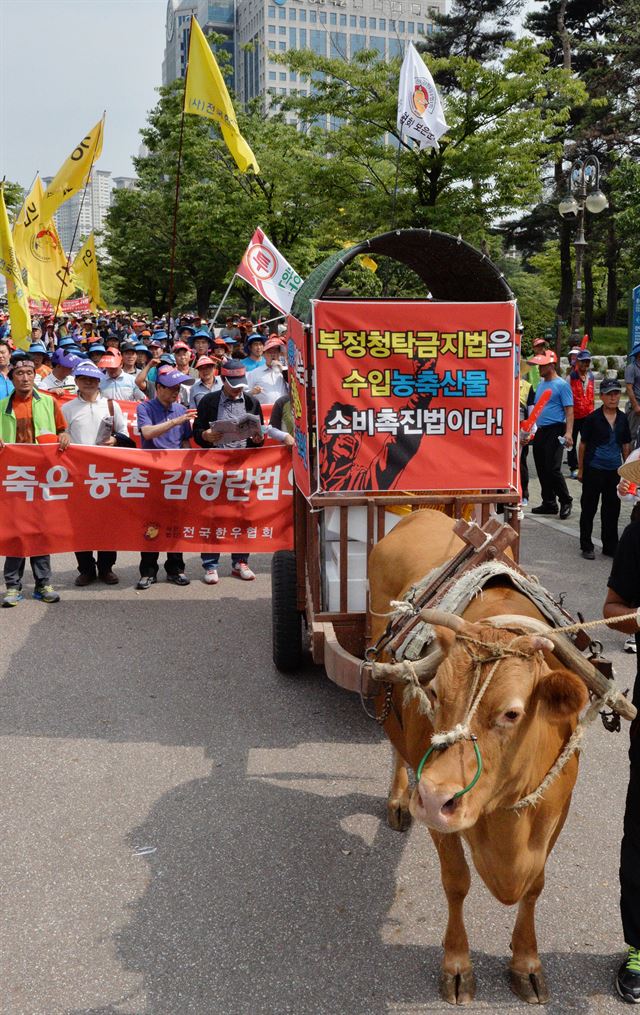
[[458, 988], [398, 816], [529, 987]]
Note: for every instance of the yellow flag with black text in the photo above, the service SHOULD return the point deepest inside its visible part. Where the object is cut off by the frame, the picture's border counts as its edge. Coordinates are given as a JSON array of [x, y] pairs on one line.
[[85, 272], [74, 172], [205, 94], [16, 290], [39, 251]]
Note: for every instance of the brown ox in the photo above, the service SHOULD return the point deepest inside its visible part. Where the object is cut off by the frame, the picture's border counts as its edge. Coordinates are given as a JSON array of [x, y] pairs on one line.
[[524, 718]]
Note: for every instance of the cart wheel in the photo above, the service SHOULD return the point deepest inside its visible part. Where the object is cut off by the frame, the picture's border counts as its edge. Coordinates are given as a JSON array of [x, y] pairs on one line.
[[286, 621]]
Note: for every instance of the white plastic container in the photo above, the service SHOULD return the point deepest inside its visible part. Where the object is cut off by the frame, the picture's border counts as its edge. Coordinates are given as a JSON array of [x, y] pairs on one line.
[[357, 524]]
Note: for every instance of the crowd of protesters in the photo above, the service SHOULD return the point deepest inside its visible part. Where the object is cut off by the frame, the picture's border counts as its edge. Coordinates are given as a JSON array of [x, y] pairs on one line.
[[183, 374]]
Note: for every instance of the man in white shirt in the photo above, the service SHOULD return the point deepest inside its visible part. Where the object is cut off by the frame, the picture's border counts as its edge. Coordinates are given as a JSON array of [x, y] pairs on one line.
[[61, 378], [85, 415], [117, 384], [268, 383]]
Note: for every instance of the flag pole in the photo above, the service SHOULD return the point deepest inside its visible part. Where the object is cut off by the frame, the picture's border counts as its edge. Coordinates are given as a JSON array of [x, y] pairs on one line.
[[75, 230], [223, 300], [395, 186], [174, 230]]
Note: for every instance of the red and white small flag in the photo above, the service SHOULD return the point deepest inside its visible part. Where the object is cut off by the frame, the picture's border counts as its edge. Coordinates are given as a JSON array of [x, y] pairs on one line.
[[264, 267]]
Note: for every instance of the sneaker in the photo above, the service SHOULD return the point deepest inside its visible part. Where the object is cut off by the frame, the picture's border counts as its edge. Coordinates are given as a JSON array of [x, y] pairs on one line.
[[242, 571], [211, 576], [178, 579], [12, 597], [628, 978], [146, 581], [630, 644], [46, 594], [524, 502]]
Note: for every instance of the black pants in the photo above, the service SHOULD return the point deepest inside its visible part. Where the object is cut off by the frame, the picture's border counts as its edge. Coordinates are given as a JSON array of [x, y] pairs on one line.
[[87, 564], [597, 483], [572, 453], [174, 564], [524, 472], [630, 848], [547, 454]]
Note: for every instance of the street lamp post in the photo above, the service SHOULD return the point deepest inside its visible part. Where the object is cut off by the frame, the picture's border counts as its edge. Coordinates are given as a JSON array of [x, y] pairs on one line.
[[584, 196]]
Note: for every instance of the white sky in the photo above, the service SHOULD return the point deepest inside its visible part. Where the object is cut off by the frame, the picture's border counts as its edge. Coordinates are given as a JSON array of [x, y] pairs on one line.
[[62, 62]]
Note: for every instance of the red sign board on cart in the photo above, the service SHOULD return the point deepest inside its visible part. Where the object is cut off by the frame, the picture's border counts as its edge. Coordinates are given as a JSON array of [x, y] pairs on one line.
[[299, 379], [416, 395]]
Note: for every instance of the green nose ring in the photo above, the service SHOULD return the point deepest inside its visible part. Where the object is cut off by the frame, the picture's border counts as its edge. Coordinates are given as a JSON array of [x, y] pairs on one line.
[[461, 792]]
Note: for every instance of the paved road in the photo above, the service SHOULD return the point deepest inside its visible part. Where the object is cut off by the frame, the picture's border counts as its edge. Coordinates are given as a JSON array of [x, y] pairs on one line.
[[187, 832]]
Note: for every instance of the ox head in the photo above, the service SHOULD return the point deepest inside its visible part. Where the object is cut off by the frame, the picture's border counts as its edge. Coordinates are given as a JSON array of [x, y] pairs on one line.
[[511, 722]]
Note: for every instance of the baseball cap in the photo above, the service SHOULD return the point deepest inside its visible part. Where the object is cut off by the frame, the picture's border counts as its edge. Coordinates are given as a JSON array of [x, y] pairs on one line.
[[256, 337], [61, 358], [128, 347], [181, 345], [97, 347], [274, 343], [234, 373], [141, 347], [583, 355], [539, 341], [110, 359], [205, 361], [222, 341], [543, 358], [169, 377], [187, 327], [168, 359], [610, 384], [88, 369]]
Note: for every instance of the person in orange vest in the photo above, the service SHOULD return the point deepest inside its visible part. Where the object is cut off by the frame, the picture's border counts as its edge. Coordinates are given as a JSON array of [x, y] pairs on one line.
[[582, 384]]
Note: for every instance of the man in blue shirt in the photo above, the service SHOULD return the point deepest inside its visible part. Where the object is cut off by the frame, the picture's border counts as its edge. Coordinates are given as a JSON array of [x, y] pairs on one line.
[[554, 433], [165, 423], [606, 442]]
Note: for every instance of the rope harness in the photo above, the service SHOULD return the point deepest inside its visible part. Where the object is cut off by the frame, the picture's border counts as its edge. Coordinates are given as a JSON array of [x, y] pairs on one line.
[[462, 731]]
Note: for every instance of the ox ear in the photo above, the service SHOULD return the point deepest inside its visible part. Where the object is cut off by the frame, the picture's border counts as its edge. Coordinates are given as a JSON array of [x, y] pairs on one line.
[[561, 694], [446, 638]]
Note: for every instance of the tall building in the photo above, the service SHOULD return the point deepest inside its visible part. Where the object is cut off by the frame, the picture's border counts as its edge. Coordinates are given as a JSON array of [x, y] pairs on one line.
[[333, 28], [259, 29], [80, 217], [218, 16]]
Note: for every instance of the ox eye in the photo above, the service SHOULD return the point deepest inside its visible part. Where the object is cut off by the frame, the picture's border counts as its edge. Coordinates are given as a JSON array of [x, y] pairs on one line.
[[512, 715]]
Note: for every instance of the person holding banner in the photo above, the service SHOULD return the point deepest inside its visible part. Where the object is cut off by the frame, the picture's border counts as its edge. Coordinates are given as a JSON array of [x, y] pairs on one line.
[[27, 417], [165, 424], [93, 419]]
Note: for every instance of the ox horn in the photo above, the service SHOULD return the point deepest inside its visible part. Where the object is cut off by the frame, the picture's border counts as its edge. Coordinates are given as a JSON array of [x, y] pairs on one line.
[[568, 654], [441, 618], [425, 668]]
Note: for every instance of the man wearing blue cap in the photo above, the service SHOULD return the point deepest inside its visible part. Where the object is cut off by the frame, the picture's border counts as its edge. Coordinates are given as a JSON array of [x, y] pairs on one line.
[[632, 383], [92, 419], [582, 384], [164, 423], [61, 377], [255, 349], [39, 353], [201, 342]]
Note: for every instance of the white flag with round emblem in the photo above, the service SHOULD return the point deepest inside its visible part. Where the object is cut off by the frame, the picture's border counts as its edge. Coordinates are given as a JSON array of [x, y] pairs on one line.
[[264, 267], [420, 113]]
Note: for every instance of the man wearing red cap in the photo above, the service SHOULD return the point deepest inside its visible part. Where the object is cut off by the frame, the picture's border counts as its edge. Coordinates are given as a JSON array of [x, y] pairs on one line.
[[554, 433]]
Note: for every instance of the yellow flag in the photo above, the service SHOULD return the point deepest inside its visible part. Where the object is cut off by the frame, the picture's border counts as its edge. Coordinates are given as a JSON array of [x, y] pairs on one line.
[[368, 262], [74, 173], [39, 251], [85, 272], [205, 94], [16, 291]]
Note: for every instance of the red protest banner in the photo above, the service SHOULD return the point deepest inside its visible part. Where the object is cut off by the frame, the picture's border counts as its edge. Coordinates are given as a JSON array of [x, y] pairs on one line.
[[40, 308], [298, 384], [416, 396], [119, 499]]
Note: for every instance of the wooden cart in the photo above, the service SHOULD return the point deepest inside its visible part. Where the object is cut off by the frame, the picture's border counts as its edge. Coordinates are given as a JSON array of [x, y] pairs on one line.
[[452, 271]]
